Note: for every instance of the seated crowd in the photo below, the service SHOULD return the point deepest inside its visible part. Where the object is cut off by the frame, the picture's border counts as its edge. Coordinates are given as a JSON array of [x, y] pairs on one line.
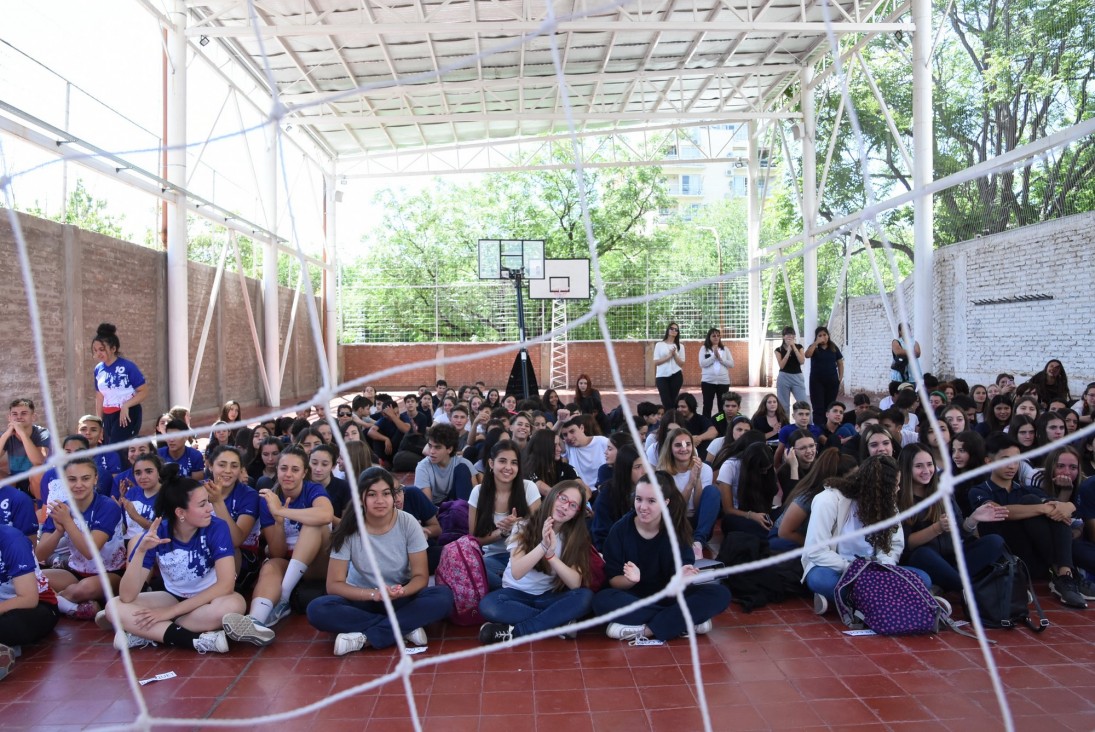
[[203, 547]]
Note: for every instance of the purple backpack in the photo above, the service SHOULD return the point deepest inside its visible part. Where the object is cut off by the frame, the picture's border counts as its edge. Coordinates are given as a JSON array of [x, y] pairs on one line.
[[888, 599], [453, 517], [461, 569]]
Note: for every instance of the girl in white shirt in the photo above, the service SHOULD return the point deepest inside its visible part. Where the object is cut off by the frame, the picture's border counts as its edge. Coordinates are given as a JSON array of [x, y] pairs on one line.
[[668, 359]]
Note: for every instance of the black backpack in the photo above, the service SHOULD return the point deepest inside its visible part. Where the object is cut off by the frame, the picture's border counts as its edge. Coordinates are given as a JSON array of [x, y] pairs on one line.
[[1004, 595]]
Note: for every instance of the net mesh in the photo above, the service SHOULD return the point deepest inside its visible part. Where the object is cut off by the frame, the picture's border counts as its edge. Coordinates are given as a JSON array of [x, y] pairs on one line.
[[593, 321]]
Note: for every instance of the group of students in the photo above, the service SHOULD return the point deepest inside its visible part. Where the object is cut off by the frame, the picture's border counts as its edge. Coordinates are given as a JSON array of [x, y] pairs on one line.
[[568, 519]]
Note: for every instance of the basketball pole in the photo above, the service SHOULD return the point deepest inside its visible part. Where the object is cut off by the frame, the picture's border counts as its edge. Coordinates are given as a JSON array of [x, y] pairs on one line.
[[518, 276]]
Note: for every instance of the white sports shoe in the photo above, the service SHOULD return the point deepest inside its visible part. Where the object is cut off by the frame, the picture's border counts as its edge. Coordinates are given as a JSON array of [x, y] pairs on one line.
[[349, 642], [128, 640], [213, 641], [619, 631], [245, 629], [416, 637]]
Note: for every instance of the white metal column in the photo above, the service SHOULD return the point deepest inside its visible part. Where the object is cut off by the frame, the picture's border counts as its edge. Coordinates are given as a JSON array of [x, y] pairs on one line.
[[756, 334], [809, 207], [923, 163], [272, 319], [178, 308], [330, 275]]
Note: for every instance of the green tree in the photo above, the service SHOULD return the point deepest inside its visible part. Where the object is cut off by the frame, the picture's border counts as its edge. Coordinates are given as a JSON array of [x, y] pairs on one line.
[[86, 212]]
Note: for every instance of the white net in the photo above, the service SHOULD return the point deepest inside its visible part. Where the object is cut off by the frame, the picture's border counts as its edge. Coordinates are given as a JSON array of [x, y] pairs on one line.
[[868, 221]]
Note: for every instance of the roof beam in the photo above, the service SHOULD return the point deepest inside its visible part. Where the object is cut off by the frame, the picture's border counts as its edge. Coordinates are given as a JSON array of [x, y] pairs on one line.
[[524, 27], [362, 120]]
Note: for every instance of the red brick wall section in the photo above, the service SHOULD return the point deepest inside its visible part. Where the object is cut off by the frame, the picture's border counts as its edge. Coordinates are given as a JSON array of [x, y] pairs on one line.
[[635, 359]]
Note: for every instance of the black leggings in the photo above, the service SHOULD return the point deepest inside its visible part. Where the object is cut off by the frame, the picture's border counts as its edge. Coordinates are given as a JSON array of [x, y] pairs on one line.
[[668, 389], [712, 394], [26, 625]]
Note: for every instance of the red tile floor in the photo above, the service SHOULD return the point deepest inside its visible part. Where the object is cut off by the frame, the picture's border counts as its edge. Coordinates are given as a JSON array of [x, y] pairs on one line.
[[779, 667]]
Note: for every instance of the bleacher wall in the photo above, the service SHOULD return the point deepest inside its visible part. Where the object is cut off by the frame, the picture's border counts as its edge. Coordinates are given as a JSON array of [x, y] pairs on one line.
[[83, 279]]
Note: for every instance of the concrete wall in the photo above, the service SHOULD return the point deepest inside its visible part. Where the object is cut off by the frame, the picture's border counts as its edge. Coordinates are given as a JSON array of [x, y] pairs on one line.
[[635, 359], [83, 279], [976, 340]]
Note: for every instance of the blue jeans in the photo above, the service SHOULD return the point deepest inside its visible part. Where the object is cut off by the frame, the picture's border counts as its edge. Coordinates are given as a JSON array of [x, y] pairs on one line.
[[707, 513], [664, 618], [336, 614], [979, 553], [495, 565], [530, 614], [823, 581]]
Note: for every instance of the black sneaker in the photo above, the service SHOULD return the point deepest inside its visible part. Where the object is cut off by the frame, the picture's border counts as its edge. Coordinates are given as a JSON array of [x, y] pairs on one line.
[[1065, 587], [495, 633]]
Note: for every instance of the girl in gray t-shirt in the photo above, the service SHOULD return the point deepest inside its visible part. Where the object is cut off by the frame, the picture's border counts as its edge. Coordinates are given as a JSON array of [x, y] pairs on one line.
[[355, 610]]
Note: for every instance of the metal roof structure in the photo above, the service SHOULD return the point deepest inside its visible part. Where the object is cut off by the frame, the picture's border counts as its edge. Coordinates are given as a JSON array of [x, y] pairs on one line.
[[370, 79]]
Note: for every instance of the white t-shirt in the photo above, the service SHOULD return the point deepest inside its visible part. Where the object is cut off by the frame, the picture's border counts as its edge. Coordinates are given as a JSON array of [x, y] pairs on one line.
[[706, 478], [532, 495], [670, 367], [729, 474], [587, 460], [534, 582]]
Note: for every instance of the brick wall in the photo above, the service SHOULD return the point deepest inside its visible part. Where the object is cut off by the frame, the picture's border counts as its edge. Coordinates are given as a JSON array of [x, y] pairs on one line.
[[83, 279], [635, 359], [975, 342]]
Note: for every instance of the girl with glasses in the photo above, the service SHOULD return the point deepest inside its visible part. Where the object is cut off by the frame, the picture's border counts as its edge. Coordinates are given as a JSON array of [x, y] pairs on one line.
[[546, 584]]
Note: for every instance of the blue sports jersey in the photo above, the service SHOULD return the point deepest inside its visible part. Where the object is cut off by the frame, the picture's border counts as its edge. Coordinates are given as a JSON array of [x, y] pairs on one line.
[[308, 495], [104, 515], [117, 382], [17, 510], [188, 569], [244, 501], [109, 465], [146, 508], [16, 560], [122, 482], [190, 462]]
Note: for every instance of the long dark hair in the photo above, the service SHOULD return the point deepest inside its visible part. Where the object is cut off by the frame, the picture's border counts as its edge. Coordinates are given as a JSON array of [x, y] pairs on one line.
[[972, 443], [1022, 420], [347, 527], [991, 422], [538, 458], [737, 447], [905, 498], [484, 519], [574, 535], [1045, 481], [678, 509], [618, 492], [757, 484], [874, 489], [174, 493], [676, 338]]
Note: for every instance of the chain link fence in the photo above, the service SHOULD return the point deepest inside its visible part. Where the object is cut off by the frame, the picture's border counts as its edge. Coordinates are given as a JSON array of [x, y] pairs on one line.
[[487, 312]]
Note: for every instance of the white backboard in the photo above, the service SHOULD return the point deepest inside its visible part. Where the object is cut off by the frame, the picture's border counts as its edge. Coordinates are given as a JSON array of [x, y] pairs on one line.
[[564, 279]]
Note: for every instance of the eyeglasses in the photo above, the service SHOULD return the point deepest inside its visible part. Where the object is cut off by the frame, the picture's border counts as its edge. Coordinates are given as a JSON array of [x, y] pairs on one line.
[[567, 503], [674, 328]]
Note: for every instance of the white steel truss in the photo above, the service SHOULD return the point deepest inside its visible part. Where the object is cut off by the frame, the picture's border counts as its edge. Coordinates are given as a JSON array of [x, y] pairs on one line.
[[560, 358]]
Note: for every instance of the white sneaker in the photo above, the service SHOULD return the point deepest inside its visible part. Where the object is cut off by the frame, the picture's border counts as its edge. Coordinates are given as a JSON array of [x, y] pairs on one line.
[[704, 627], [7, 659], [128, 640], [349, 642], [416, 637], [213, 641], [821, 604], [103, 621], [619, 631], [245, 629]]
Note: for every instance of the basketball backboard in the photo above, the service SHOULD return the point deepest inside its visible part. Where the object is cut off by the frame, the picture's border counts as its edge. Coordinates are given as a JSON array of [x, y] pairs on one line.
[[497, 255], [564, 279]]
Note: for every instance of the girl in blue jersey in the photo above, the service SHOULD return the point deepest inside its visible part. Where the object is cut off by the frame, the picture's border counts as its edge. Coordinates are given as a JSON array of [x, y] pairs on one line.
[[193, 550], [119, 387], [140, 500], [295, 519], [237, 504], [28, 607], [78, 588]]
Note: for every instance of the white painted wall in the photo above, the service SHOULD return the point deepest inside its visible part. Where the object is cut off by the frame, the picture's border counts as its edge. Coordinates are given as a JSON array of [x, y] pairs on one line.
[[976, 342]]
